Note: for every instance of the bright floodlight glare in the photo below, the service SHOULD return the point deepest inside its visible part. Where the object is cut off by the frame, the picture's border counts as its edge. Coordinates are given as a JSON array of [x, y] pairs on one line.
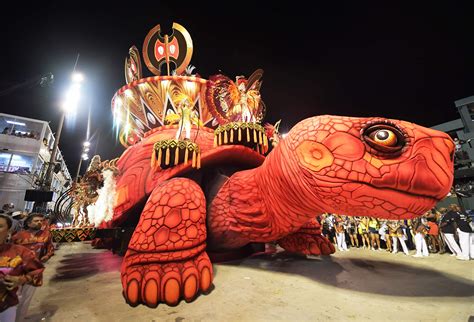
[[86, 149], [117, 103], [85, 156], [77, 77], [87, 143], [284, 135], [72, 98], [127, 128]]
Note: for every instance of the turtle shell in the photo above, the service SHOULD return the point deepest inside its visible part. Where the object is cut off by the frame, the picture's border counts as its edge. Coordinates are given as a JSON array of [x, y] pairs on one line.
[[137, 178]]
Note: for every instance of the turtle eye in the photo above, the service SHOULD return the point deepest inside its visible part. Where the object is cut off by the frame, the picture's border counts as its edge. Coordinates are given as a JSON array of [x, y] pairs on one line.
[[384, 138]]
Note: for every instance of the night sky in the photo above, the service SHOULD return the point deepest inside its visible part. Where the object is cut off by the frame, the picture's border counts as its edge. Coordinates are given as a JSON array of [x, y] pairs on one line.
[[404, 62]]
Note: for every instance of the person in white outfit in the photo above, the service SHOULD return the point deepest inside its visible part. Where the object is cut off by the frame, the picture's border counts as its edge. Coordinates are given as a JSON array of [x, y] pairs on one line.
[[384, 235], [340, 234], [396, 232], [448, 228], [465, 235], [420, 231]]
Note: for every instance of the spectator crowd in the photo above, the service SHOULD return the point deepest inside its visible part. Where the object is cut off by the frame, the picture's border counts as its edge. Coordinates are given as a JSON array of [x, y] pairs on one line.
[[31, 134], [437, 231]]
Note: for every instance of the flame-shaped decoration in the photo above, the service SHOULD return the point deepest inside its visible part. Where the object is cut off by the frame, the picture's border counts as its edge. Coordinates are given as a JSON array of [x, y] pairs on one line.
[[133, 65]]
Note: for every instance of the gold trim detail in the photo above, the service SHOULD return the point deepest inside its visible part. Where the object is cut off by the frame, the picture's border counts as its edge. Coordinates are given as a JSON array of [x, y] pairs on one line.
[[254, 135], [175, 152]]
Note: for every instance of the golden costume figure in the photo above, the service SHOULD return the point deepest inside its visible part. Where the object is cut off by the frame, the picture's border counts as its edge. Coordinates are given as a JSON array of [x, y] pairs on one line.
[[187, 116], [238, 101], [242, 107]]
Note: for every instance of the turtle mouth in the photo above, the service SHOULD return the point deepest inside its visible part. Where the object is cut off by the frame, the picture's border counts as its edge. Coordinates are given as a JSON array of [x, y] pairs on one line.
[[408, 194], [367, 200]]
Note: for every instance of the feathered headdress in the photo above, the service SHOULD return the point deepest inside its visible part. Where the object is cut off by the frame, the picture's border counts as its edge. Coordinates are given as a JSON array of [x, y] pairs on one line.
[[270, 129]]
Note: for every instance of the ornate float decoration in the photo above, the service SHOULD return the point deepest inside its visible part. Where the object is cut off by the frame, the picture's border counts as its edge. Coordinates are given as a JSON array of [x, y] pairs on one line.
[[183, 101], [198, 177], [176, 48], [133, 66], [72, 234], [239, 109], [78, 224]]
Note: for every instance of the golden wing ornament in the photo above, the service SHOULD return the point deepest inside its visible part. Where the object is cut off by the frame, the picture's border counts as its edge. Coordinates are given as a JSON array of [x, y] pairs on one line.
[[221, 96]]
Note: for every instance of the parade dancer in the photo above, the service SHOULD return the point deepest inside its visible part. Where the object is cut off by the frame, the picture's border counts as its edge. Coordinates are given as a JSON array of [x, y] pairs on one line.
[[18, 268], [40, 242], [351, 225], [420, 231], [363, 231], [396, 232], [384, 235], [447, 225], [243, 107], [465, 235], [184, 120], [185, 117], [340, 234]]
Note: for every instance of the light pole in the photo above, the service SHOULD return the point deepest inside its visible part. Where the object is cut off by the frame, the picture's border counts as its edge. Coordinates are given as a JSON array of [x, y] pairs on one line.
[[85, 146], [84, 156], [69, 106]]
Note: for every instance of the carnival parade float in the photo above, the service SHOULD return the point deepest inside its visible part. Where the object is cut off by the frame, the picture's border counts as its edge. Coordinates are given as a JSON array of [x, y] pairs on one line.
[[202, 173]]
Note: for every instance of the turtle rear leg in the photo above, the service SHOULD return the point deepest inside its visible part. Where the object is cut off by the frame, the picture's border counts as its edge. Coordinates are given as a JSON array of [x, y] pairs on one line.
[[166, 259], [308, 241]]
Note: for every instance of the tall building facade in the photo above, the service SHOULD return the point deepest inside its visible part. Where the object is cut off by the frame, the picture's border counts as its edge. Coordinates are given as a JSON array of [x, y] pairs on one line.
[[462, 131], [25, 151]]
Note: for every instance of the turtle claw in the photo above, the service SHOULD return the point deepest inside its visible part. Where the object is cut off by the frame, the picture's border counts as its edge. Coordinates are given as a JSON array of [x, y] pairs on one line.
[[168, 283], [166, 259], [307, 244]]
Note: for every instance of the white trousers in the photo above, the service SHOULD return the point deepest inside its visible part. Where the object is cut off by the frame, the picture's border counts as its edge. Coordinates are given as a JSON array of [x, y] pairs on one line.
[[402, 242], [466, 243], [471, 243], [341, 241], [451, 242], [8, 315], [421, 246], [24, 298], [246, 115], [186, 127]]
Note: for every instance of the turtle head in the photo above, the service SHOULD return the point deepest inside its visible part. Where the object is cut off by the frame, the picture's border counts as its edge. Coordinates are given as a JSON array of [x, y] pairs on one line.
[[369, 166]]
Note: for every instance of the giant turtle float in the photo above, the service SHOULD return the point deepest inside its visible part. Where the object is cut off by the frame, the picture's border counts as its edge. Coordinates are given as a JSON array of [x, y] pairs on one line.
[[223, 188]]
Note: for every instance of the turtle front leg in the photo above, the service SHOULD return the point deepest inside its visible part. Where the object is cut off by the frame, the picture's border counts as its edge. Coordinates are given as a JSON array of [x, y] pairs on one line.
[[166, 259], [308, 241]]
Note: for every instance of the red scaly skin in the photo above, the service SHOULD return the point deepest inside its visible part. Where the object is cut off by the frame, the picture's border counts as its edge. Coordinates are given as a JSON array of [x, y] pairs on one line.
[[166, 259], [324, 165], [308, 240], [137, 179]]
